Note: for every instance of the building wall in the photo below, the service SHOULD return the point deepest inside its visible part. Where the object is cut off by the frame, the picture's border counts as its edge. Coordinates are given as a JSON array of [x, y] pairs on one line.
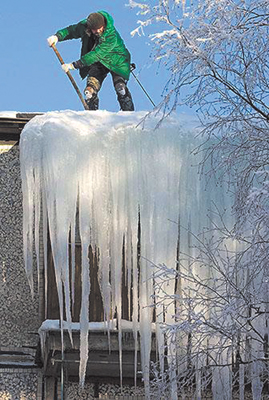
[[20, 384], [19, 319], [106, 392]]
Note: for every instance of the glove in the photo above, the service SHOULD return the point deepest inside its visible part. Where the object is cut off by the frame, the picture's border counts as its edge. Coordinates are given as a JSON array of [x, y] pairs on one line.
[[67, 67], [52, 40]]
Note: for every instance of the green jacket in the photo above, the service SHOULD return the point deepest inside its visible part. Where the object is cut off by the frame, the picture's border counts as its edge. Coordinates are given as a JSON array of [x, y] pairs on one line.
[[109, 49]]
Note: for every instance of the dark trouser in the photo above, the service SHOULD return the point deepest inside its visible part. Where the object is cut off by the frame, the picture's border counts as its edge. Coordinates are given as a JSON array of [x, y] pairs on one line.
[[97, 72]]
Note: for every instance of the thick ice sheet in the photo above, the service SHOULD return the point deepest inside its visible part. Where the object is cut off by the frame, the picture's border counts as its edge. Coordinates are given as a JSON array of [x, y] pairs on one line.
[[110, 166]]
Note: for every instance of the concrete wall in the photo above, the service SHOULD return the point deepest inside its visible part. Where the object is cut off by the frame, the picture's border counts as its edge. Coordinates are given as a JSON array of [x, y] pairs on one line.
[[106, 392], [20, 384], [18, 311]]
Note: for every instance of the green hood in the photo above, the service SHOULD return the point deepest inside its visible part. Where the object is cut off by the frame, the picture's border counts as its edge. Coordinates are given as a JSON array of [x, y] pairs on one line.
[[110, 50]]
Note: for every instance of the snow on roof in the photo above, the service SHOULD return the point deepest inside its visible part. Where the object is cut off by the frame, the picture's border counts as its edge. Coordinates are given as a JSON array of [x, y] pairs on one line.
[[55, 325], [8, 114], [97, 120]]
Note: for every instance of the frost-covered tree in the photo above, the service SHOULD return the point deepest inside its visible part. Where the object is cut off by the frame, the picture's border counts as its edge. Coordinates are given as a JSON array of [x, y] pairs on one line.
[[217, 54]]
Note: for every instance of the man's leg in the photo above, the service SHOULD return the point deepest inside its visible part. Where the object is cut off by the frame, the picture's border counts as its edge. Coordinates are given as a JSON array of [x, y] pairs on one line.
[[96, 75], [123, 93]]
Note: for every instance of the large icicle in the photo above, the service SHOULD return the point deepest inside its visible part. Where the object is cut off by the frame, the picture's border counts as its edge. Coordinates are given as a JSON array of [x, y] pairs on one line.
[[114, 170]]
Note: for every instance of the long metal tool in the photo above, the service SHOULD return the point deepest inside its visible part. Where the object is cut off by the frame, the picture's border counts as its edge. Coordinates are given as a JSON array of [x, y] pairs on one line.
[[68, 73], [140, 84]]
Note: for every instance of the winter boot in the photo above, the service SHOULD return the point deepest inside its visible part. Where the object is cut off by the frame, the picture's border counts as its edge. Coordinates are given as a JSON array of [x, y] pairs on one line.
[[124, 96], [126, 101], [91, 93], [93, 102]]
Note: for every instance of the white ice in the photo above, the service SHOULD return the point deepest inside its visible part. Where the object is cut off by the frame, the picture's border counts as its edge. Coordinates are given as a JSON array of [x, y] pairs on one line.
[[110, 166]]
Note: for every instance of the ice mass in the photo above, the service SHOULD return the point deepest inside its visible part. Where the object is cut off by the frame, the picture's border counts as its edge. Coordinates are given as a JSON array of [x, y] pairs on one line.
[[117, 169]]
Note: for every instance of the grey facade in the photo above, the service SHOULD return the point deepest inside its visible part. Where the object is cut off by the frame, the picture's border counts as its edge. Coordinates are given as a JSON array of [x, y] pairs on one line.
[[19, 317]]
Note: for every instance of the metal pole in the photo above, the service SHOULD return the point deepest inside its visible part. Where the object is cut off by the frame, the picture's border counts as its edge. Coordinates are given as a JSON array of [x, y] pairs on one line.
[[68, 73], [142, 87]]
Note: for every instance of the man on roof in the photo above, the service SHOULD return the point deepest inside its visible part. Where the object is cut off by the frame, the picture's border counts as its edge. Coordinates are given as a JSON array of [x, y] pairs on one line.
[[103, 51]]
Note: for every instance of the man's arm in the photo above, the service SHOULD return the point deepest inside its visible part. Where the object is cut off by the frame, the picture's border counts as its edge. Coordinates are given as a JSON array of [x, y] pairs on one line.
[[75, 31]]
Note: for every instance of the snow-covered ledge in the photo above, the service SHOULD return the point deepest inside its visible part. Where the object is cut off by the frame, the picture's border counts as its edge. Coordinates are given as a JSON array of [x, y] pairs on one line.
[[112, 325]]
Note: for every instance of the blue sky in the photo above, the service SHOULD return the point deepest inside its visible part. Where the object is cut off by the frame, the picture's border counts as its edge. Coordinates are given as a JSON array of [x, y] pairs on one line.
[[31, 76]]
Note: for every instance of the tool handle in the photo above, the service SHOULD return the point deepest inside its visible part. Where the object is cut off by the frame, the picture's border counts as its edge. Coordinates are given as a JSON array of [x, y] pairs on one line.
[[68, 73]]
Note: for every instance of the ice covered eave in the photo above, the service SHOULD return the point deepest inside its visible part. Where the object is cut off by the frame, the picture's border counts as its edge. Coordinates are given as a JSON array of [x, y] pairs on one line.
[[55, 325], [50, 336], [103, 361], [103, 358]]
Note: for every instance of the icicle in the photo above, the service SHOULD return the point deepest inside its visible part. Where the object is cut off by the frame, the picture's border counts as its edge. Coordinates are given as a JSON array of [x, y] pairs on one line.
[[85, 202], [135, 314], [117, 167], [73, 255], [256, 383], [198, 383], [45, 250], [241, 382], [37, 213], [84, 315], [27, 175], [222, 376], [145, 327], [171, 358]]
